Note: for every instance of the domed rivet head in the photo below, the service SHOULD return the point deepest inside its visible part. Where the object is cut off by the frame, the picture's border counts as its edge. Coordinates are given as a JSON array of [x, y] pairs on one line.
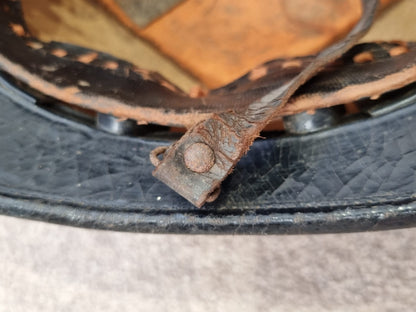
[[199, 157]]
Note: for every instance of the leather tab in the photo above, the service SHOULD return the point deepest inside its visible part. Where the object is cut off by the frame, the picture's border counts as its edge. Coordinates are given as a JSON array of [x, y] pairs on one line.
[[219, 134]]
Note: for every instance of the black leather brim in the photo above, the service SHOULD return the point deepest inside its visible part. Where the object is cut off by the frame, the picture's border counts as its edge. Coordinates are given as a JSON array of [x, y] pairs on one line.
[[355, 177]]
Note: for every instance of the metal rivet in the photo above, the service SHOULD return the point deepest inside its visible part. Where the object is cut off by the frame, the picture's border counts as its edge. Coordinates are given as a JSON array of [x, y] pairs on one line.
[[199, 157]]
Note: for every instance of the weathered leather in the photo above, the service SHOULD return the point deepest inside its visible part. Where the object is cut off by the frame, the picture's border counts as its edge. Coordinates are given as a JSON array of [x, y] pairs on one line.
[[229, 135], [109, 85], [360, 176], [42, 65]]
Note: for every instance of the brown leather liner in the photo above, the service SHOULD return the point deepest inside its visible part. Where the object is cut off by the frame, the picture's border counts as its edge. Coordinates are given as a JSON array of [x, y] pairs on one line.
[[70, 76]]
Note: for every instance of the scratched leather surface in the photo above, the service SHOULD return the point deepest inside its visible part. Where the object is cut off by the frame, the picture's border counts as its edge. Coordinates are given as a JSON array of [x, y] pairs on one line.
[[43, 156]]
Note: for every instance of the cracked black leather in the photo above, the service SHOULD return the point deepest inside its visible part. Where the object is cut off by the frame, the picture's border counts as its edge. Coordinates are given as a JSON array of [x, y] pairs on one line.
[[359, 176]]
